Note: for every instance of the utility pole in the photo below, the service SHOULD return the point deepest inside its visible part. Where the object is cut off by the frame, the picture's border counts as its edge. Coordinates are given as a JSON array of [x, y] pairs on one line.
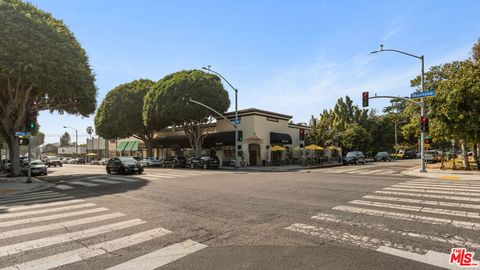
[[421, 103], [236, 112]]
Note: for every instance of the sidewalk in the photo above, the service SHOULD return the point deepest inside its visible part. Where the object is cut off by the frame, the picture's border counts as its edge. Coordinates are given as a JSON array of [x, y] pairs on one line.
[[445, 175], [281, 168], [16, 185]]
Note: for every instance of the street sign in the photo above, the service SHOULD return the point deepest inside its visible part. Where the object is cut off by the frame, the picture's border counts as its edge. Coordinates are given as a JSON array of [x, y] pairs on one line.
[[22, 134], [236, 122], [429, 93]]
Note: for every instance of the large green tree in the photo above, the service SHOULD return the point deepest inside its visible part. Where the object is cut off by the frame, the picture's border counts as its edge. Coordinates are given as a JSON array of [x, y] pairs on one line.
[[65, 140], [164, 104], [42, 67], [121, 114]]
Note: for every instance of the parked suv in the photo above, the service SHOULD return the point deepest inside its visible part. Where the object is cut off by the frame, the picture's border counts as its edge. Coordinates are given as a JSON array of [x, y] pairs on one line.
[[382, 156], [410, 154], [174, 161], [354, 157], [205, 162], [432, 156], [53, 161], [37, 167]]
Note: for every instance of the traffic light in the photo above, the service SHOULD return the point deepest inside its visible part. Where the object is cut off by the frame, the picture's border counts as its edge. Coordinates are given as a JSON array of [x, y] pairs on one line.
[[240, 135], [424, 124], [23, 141], [239, 147], [428, 140], [365, 99], [186, 98], [30, 121], [302, 134]]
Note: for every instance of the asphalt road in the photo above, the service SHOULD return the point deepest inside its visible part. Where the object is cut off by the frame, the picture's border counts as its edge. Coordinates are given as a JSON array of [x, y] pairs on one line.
[[350, 217]]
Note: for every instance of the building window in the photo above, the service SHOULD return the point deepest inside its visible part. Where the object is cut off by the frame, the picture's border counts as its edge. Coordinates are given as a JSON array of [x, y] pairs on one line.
[[229, 156]]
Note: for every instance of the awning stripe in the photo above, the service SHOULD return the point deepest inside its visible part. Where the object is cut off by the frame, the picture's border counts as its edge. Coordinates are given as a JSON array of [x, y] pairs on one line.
[[121, 146]]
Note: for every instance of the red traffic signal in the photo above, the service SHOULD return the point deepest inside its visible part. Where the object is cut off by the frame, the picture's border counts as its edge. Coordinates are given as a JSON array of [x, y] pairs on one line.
[[424, 124], [428, 140], [365, 99]]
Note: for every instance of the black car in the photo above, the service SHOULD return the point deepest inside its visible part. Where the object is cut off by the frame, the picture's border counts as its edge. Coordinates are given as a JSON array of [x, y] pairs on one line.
[[382, 156], [205, 162], [174, 161], [354, 157], [37, 167], [124, 165], [410, 154], [80, 161]]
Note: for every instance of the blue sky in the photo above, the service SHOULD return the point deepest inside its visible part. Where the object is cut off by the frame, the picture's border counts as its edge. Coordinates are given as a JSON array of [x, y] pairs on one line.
[[292, 57]]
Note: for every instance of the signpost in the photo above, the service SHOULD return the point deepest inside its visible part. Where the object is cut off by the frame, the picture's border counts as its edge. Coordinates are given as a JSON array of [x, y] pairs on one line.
[[22, 134], [429, 93], [27, 135]]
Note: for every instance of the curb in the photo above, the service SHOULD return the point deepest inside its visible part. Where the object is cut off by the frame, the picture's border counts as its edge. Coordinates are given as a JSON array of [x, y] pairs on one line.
[[441, 175], [41, 186]]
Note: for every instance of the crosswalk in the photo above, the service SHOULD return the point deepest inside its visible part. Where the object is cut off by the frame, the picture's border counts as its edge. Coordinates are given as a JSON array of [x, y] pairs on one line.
[[95, 181], [360, 170], [49, 229], [419, 219]]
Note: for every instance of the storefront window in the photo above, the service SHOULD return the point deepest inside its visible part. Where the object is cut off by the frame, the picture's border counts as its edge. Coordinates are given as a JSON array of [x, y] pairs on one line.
[[229, 156]]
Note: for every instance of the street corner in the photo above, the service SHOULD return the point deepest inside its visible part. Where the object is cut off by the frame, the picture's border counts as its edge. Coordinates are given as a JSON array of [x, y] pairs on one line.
[[442, 175], [18, 185]]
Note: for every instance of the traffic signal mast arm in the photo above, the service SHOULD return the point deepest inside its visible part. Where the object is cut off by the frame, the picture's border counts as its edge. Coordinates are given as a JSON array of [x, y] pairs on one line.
[[188, 99], [418, 103]]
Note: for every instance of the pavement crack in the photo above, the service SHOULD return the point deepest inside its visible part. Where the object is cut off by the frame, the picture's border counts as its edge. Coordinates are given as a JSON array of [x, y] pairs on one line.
[[217, 235]]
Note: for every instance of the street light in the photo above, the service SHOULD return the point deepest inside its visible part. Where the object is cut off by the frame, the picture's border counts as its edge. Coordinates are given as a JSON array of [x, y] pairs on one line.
[[422, 104], [236, 111], [76, 139]]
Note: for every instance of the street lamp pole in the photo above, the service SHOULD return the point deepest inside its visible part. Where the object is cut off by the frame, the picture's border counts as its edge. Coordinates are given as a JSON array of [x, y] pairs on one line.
[[236, 111], [422, 103], [76, 139]]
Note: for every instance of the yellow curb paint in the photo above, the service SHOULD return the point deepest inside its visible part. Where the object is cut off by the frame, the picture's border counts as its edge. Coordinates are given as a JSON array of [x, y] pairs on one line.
[[449, 177], [6, 191]]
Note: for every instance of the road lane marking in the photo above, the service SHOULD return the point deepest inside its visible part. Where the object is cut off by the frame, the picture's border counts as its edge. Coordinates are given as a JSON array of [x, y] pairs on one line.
[[449, 177], [437, 187], [371, 172], [60, 225], [439, 203], [438, 211], [63, 187], [446, 238], [40, 205], [348, 238], [343, 170], [48, 210], [86, 184], [433, 191], [77, 255], [67, 237], [161, 257], [356, 171], [428, 196], [32, 198], [105, 181], [387, 172], [37, 201], [51, 217], [22, 195], [436, 183], [147, 176], [128, 179], [409, 217]]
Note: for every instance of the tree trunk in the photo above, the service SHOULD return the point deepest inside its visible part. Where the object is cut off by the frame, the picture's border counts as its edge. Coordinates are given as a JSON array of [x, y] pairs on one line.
[[466, 165], [148, 145], [14, 151]]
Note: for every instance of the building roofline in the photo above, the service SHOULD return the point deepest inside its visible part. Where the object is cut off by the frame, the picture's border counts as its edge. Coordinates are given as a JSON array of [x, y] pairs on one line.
[[250, 111]]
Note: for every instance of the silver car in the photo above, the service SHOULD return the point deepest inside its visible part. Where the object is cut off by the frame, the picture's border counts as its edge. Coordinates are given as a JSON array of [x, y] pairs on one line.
[[150, 162]]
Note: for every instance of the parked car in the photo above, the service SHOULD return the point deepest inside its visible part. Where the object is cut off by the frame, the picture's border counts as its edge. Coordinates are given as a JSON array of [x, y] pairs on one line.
[[174, 161], [103, 161], [204, 162], [382, 156], [123, 165], [410, 154], [432, 156], [66, 160], [52, 161], [79, 161], [94, 162], [354, 157], [150, 162], [38, 167]]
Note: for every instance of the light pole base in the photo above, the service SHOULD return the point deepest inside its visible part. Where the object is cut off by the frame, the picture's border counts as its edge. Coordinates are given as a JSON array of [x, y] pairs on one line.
[[423, 171]]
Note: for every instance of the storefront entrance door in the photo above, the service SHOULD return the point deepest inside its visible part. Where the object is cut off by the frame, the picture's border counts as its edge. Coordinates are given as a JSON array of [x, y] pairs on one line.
[[254, 154]]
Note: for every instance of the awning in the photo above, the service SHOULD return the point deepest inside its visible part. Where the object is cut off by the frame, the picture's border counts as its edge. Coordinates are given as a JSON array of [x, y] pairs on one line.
[[91, 154], [219, 139], [121, 146], [280, 138], [132, 146], [176, 141]]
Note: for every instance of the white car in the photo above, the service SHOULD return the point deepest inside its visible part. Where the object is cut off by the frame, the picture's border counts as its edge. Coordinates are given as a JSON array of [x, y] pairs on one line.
[[150, 162]]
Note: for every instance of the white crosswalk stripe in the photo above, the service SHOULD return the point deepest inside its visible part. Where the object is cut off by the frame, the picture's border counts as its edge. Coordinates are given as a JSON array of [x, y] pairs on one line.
[[453, 205], [30, 225], [362, 170]]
